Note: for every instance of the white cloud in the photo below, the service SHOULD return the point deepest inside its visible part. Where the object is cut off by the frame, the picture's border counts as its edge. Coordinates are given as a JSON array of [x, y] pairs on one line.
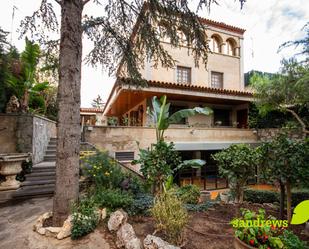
[[268, 24]]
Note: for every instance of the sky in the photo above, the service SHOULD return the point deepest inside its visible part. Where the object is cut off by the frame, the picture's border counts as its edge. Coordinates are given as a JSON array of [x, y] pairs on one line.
[[268, 24]]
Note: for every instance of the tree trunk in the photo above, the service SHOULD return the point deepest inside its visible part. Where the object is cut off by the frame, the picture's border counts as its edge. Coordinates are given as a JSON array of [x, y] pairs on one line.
[[68, 99], [289, 200], [282, 197]]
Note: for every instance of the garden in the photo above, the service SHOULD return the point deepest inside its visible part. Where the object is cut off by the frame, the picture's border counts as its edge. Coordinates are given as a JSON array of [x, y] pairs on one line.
[[152, 208]]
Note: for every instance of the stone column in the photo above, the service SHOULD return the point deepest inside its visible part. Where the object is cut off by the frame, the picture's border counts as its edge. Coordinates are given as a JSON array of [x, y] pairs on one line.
[[237, 51], [223, 48]]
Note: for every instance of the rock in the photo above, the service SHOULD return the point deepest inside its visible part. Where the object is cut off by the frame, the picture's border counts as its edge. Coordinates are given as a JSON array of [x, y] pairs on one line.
[[153, 242], [65, 230], [134, 244], [52, 231], [103, 214], [40, 221], [41, 231], [126, 238], [116, 220]]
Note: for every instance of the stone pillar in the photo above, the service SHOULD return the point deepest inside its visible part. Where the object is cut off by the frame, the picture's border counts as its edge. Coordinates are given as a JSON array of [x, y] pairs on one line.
[[223, 48], [197, 155], [237, 51]]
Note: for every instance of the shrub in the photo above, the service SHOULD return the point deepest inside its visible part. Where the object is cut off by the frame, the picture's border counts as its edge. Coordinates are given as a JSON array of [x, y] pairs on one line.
[[158, 162], [198, 207], [261, 196], [264, 196], [85, 218], [170, 216], [299, 195], [189, 194], [113, 199], [237, 163], [141, 205], [102, 170], [291, 241]]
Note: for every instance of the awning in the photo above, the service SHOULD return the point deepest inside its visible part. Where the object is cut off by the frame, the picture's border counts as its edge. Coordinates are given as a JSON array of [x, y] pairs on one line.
[[209, 145]]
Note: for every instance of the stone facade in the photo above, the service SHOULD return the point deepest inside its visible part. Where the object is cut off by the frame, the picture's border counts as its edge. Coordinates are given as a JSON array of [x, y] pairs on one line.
[[26, 133], [124, 139]]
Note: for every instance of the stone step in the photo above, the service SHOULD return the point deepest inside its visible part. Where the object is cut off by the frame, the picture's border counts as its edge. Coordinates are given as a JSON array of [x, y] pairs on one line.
[[50, 152], [50, 158], [44, 164], [38, 182], [43, 170], [51, 147], [31, 191], [41, 176], [6, 195], [53, 139]]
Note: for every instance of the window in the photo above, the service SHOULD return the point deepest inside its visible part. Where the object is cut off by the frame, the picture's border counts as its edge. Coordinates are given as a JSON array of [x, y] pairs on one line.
[[230, 48], [216, 80], [215, 44], [183, 75], [123, 156]]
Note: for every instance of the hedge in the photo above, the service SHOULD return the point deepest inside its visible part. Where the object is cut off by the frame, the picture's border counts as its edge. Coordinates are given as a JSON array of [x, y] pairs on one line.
[[266, 196]]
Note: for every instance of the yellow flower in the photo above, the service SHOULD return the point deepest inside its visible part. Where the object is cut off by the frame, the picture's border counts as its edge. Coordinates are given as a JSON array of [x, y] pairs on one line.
[[107, 173]]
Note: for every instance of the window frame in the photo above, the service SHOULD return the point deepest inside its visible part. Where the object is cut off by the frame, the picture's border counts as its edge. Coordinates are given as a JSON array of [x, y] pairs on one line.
[[183, 69], [211, 79]]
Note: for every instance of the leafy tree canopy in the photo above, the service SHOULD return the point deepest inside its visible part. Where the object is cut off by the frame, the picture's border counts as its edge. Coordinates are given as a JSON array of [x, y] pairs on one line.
[[128, 32]]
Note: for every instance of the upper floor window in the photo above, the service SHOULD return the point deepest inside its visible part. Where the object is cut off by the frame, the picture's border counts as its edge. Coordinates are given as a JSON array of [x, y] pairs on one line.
[[183, 75], [215, 44], [230, 47], [216, 80]]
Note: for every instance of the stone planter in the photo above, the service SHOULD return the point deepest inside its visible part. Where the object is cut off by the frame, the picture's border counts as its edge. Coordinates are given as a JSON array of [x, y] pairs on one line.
[[205, 196], [10, 166], [238, 244], [224, 197]]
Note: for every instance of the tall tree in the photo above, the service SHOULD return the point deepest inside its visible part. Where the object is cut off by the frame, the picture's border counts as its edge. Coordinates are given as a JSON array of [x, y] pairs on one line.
[[285, 161], [126, 33], [288, 91], [98, 102]]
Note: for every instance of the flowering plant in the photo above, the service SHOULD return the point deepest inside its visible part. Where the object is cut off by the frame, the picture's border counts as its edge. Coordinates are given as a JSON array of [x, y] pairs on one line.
[[102, 170], [254, 230]]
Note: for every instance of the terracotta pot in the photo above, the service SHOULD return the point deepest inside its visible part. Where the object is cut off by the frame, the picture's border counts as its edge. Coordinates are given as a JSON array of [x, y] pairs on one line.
[[238, 244]]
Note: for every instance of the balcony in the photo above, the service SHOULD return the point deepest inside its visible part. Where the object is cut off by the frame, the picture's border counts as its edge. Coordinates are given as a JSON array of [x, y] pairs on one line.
[[123, 138]]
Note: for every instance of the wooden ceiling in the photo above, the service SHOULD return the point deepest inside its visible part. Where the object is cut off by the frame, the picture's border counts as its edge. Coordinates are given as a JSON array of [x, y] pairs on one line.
[[129, 98]]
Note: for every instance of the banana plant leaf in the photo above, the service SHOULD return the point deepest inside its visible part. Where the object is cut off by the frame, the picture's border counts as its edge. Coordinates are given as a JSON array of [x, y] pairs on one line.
[[185, 113], [193, 163]]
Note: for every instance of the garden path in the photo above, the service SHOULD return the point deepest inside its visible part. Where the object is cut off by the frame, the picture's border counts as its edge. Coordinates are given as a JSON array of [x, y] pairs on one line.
[[17, 219]]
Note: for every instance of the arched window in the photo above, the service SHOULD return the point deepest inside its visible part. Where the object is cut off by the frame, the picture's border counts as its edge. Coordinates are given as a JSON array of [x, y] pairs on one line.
[[215, 44], [231, 47]]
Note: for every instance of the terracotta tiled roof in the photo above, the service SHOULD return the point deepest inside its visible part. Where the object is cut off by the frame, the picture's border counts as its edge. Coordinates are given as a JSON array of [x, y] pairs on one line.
[[222, 25], [91, 110], [191, 87]]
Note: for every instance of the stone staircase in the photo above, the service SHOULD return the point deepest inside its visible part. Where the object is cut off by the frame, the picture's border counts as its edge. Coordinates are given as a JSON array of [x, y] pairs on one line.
[[41, 181]]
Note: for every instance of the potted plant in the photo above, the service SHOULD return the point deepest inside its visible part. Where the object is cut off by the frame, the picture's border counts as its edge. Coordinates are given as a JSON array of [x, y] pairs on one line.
[[251, 233]]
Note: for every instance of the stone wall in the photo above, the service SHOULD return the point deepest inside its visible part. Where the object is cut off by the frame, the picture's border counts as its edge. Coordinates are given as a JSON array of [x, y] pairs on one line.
[[271, 133], [117, 139], [43, 130], [8, 138], [26, 133]]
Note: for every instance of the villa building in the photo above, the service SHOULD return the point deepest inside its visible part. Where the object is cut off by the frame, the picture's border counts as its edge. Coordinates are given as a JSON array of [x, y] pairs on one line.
[[219, 86]]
